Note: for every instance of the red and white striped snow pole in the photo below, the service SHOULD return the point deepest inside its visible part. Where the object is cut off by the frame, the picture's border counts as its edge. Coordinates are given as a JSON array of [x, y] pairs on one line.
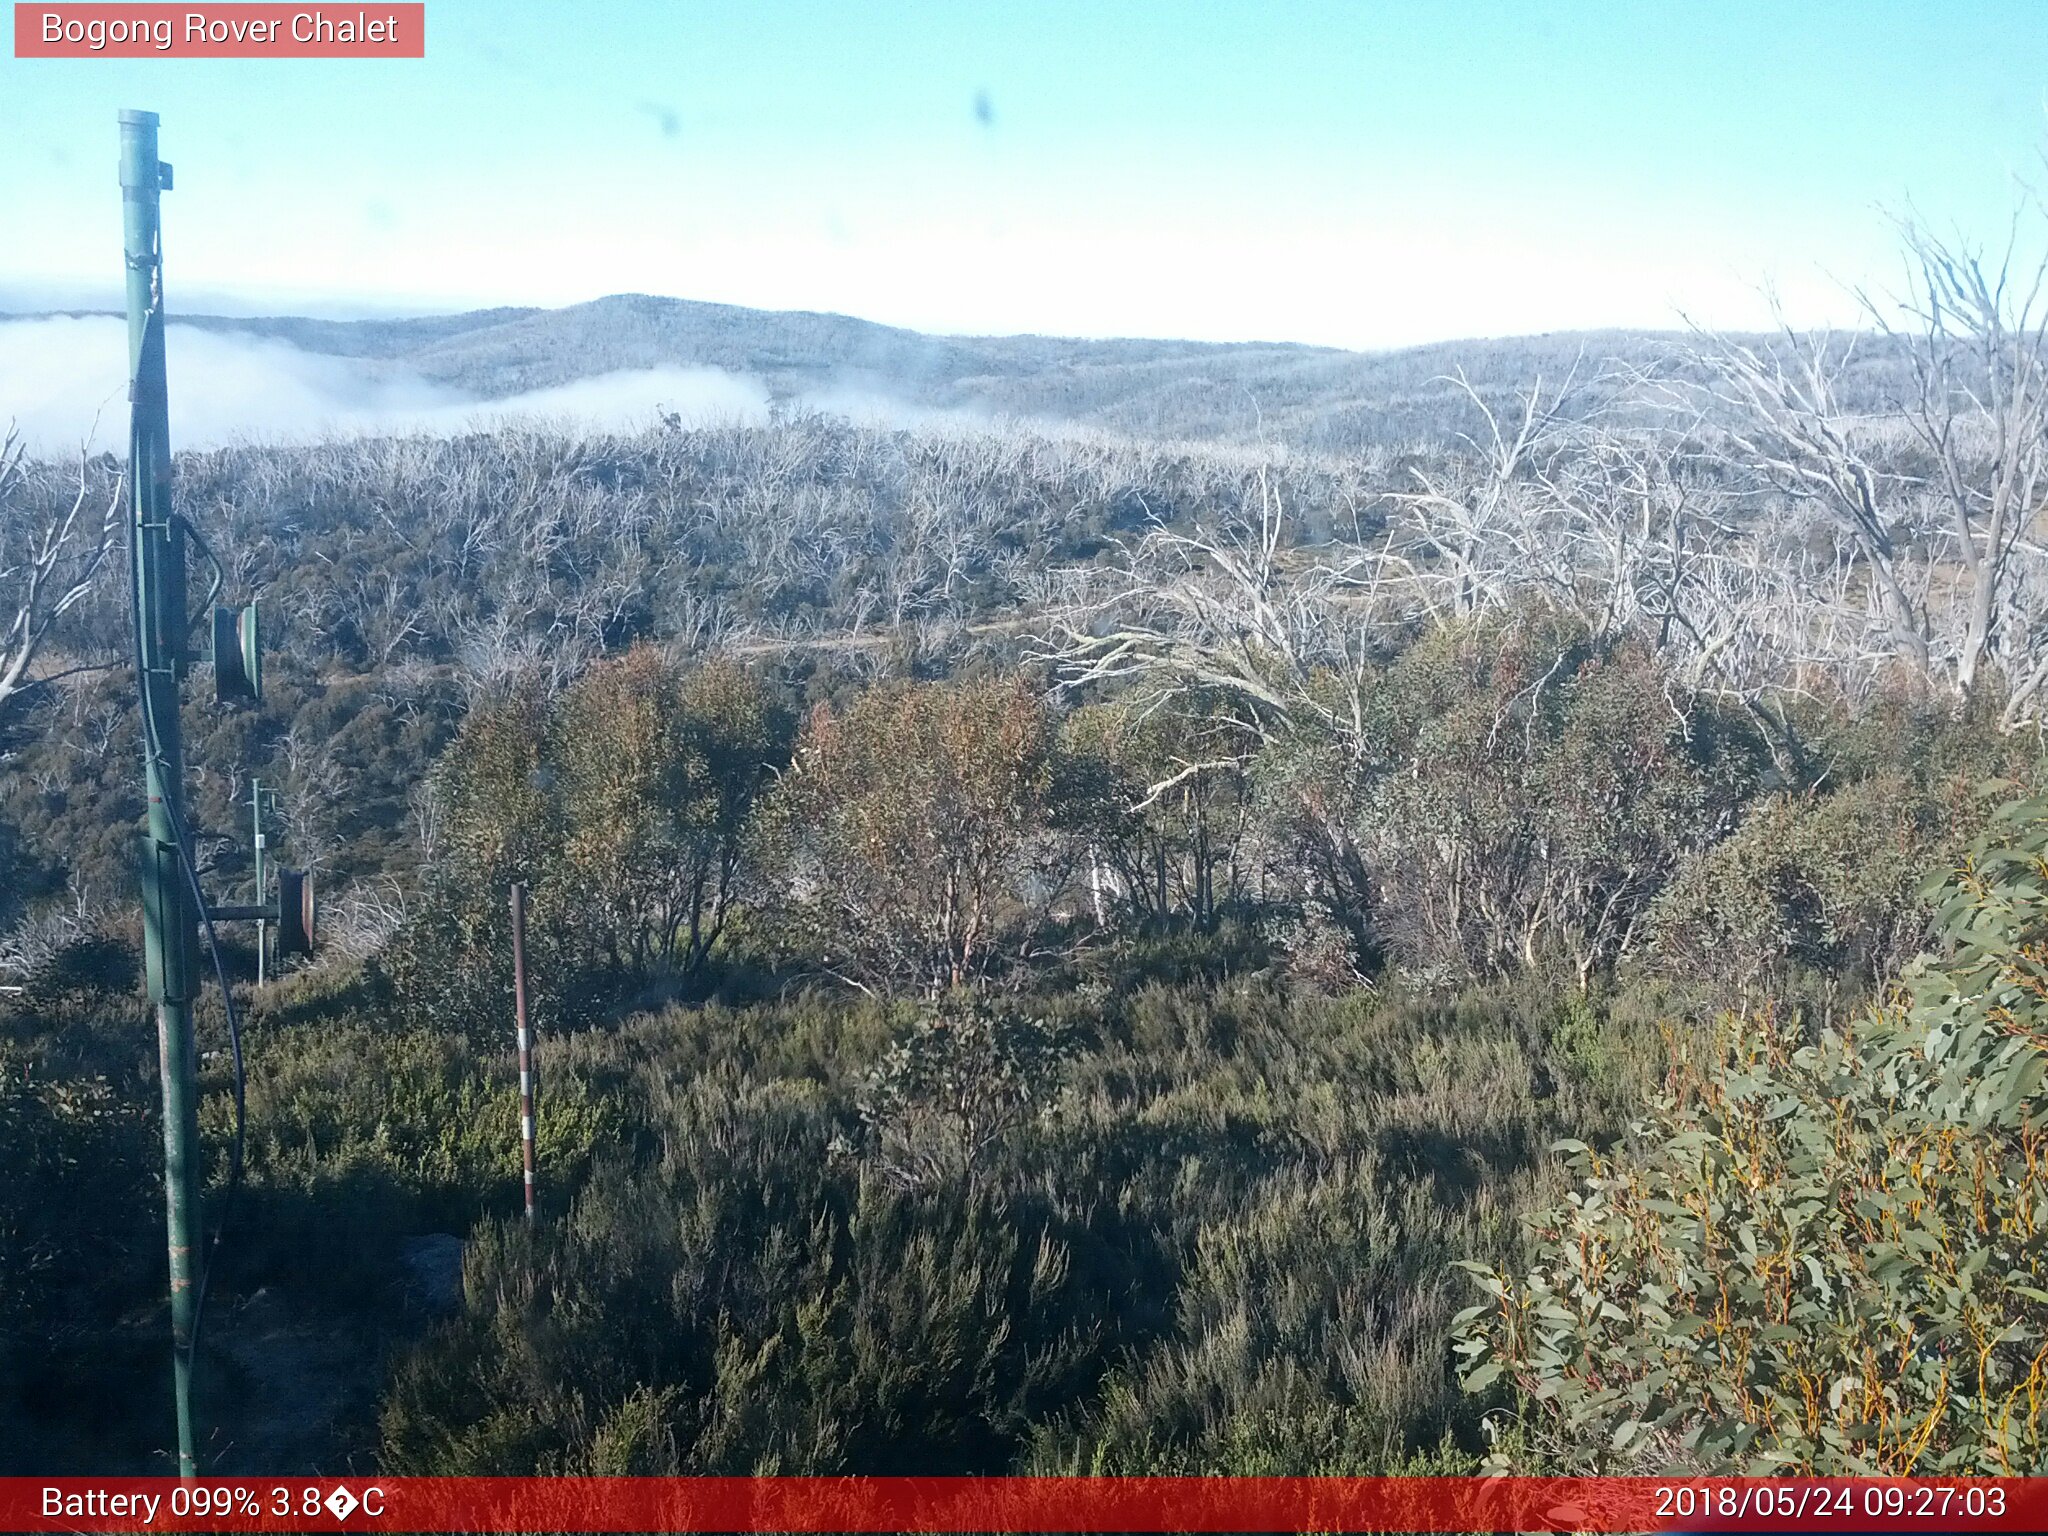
[[525, 1039]]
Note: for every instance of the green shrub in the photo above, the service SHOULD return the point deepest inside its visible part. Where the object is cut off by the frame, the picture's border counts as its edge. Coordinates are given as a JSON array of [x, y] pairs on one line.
[[1828, 883], [1306, 1340], [941, 1100], [100, 1149], [623, 805], [360, 1134], [1529, 788], [925, 834], [1819, 1254], [739, 1307]]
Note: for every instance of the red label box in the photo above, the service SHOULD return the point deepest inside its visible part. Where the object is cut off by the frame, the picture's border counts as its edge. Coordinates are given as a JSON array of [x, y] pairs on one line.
[[372, 30]]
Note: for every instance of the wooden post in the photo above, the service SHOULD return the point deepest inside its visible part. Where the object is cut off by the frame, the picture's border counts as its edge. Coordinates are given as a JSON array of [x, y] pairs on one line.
[[525, 1039]]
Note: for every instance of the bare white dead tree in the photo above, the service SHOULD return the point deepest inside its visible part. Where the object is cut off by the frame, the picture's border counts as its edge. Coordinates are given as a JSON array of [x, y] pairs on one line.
[[37, 939], [1239, 612], [494, 656], [1613, 527], [1480, 532], [1782, 423], [1939, 498], [48, 561], [363, 918], [1979, 409], [1625, 528]]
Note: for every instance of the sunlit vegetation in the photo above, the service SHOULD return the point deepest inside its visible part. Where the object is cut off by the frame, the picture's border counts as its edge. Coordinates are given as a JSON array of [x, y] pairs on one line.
[[1050, 955], [1822, 1247]]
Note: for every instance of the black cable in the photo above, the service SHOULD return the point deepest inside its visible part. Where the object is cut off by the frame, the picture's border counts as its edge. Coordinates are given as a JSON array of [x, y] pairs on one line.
[[152, 740]]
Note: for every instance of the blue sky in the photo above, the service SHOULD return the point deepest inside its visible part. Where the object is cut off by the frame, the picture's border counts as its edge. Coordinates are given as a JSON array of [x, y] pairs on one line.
[[1359, 174]]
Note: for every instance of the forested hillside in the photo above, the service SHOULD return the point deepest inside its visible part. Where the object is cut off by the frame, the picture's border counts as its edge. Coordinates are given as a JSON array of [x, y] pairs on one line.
[[1320, 399], [1072, 953]]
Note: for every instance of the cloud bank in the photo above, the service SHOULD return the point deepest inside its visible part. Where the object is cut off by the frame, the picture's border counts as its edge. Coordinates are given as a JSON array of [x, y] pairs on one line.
[[63, 383]]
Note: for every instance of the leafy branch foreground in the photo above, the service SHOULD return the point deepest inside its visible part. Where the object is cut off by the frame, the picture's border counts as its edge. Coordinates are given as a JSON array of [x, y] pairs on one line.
[[1818, 1254]]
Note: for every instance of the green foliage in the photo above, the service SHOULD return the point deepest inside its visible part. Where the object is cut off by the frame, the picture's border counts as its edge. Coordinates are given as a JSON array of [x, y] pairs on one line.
[[1819, 1255], [81, 1253], [363, 1131], [943, 1096], [924, 834], [496, 820], [81, 1150], [624, 805], [1178, 851], [82, 1136], [1305, 1341], [1532, 790], [728, 1309], [654, 772], [1992, 913], [1203, 1227], [1827, 882]]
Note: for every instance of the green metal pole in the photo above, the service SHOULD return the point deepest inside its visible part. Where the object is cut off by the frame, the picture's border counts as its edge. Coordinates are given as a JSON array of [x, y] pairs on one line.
[[170, 925]]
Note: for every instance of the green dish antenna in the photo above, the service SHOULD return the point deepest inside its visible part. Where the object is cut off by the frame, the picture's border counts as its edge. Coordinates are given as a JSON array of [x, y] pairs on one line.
[[237, 655]]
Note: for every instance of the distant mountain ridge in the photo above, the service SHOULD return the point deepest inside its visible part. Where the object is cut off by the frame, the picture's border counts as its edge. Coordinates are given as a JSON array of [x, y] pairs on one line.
[[1308, 396]]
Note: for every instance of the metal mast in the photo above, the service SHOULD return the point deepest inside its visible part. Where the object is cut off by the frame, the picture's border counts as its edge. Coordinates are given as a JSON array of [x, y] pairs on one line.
[[170, 920], [173, 904]]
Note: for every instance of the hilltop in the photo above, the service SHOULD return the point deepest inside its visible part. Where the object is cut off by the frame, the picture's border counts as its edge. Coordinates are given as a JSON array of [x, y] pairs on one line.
[[1320, 398]]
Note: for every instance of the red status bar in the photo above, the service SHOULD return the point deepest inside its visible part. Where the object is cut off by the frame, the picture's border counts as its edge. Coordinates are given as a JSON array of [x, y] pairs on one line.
[[944, 1504]]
